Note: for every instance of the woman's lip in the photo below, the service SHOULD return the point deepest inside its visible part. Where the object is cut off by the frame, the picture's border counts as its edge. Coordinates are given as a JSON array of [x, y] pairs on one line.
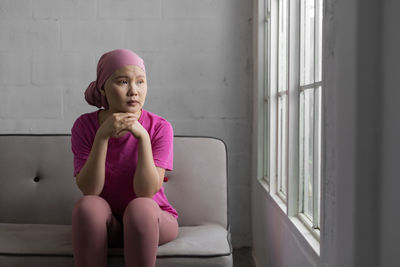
[[133, 102]]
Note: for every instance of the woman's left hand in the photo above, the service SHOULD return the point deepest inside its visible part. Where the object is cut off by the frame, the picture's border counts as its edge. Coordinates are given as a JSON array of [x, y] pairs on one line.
[[137, 129]]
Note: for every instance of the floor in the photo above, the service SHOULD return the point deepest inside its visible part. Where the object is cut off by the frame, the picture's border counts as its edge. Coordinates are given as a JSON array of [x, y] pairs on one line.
[[242, 257]]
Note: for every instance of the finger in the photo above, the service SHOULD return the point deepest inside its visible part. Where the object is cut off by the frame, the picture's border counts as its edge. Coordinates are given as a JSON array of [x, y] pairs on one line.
[[121, 120], [127, 123], [123, 116]]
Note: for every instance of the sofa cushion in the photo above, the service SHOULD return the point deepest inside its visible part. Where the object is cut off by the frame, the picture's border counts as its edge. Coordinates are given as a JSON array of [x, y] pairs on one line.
[[55, 240]]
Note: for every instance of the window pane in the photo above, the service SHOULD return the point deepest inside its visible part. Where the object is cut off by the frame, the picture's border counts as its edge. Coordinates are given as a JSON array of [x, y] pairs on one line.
[[266, 142], [283, 46], [282, 143], [307, 42], [318, 144], [267, 74], [306, 151]]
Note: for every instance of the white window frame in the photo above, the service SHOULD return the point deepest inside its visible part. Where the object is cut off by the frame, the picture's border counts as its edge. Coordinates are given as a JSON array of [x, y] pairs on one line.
[[290, 204]]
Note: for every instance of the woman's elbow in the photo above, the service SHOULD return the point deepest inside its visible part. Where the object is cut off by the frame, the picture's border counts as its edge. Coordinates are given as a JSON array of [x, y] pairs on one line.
[[85, 190]]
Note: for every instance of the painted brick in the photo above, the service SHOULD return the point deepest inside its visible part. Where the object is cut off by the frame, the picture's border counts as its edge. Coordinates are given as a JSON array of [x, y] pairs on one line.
[[29, 35], [153, 68], [144, 35], [26, 102], [45, 126], [237, 136], [190, 69], [163, 99], [14, 69], [215, 127], [193, 35], [240, 166], [34, 126], [74, 103], [15, 10], [129, 9], [196, 9], [92, 36], [178, 35], [61, 9], [221, 102], [63, 69]]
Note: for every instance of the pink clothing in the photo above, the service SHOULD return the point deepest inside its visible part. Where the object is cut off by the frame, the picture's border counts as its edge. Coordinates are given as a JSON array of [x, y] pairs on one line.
[[94, 228], [121, 158]]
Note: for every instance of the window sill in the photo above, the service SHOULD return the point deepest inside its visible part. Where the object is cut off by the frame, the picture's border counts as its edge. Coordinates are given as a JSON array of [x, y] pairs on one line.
[[278, 200], [299, 227]]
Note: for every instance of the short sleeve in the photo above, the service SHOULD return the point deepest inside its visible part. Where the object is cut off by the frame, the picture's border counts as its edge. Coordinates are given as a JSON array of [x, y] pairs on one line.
[[162, 146], [80, 145]]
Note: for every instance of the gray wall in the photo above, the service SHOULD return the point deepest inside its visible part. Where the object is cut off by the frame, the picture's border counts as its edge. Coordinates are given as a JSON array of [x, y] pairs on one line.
[[198, 60], [360, 215], [390, 167]]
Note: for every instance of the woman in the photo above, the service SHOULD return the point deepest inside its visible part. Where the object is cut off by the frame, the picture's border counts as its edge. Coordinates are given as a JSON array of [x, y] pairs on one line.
[[121, 153]]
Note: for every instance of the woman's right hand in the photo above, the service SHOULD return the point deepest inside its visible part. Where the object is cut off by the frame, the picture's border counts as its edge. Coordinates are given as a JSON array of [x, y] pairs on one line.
[[116, 124]]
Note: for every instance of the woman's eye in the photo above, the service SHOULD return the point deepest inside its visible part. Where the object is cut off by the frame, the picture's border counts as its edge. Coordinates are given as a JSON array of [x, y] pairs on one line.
[[141, 81], [123, 82]]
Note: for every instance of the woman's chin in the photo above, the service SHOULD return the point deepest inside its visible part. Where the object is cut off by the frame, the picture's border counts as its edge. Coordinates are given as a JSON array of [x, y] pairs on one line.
[[133, 109], [127, 109]]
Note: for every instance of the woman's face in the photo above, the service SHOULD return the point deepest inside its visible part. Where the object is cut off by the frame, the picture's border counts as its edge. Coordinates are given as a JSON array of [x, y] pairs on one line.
[[126, 89]]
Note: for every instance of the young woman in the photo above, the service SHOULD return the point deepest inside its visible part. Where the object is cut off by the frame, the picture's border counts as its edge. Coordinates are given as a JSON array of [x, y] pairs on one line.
[[121, 153]]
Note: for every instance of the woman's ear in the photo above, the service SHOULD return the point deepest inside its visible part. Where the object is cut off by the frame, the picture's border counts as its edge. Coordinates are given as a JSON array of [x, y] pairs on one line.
[[102, 91]]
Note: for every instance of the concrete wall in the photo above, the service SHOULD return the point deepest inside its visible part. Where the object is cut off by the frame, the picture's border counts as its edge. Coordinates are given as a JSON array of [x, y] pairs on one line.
[[198, 60], [390, 167]]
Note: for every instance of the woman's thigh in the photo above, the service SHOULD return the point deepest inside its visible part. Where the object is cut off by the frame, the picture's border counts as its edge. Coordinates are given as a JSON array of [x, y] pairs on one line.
[[142, 212], [92, 211], [168, 226]]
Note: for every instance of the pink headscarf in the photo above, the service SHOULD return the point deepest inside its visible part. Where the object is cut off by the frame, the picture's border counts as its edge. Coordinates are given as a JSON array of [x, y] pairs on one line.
[[108, 63]]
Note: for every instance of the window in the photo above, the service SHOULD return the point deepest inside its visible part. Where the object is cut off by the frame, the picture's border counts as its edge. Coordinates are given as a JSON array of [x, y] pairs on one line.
[[310, 90], [266, 93], [282, 95], [292, 106]]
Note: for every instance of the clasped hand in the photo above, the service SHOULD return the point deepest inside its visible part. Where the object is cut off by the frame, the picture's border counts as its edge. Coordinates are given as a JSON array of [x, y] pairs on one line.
[[118, 124]]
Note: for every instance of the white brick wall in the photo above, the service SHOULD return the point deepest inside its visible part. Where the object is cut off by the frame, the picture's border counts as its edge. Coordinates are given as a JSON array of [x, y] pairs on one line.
[[197, 56], [64, 9], [11, 9], [129, 9]]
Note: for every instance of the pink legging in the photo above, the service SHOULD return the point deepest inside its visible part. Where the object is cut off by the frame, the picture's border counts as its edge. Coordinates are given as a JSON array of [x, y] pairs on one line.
[[95, 228]]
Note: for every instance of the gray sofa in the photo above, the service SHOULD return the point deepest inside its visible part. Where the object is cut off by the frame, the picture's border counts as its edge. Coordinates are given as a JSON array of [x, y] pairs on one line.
[[38, 192]]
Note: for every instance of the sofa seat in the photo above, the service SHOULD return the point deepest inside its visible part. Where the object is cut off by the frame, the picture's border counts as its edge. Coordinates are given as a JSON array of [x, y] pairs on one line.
[[55, 240]]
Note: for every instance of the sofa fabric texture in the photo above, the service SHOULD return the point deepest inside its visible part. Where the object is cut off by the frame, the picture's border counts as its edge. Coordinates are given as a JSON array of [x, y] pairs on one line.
[[39, 192]]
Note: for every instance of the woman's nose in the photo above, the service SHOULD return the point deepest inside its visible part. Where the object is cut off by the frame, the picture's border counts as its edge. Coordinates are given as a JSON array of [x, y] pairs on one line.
[[132, 90]]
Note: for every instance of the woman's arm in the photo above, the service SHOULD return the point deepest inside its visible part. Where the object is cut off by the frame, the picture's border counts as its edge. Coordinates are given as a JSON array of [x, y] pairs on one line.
[[90, 179], [148, 178]]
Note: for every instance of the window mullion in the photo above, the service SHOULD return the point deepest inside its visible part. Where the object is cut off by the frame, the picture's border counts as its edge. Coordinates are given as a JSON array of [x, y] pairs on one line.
[[310, 86], [293, 112], [315, 161]]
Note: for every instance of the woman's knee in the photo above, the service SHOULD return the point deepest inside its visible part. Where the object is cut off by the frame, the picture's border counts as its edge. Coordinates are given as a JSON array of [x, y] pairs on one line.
[[141, 211], [91, 206]]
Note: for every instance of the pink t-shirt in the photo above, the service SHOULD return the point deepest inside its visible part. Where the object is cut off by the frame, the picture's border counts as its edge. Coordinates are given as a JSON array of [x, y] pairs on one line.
[[121, 157]]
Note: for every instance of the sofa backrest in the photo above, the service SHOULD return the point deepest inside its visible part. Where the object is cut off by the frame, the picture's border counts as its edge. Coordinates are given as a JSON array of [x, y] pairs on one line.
[[37, 183]]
